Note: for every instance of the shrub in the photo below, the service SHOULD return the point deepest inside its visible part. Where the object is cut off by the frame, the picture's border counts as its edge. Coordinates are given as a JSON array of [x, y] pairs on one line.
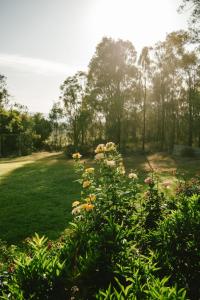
[[177, 243], [85, 150], [189, 188], [35, 274]]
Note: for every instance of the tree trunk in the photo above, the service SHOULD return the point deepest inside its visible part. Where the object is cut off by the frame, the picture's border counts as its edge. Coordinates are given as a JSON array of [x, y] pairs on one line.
[[144, 118], [190, 124], [162, 140]]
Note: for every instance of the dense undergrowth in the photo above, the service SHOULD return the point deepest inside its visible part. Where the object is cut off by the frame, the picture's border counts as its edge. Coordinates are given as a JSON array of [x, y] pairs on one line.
[[123, 243]]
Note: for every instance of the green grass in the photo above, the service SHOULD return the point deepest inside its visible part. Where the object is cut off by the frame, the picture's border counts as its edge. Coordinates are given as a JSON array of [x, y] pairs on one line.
[[35, 196], [36, 191]]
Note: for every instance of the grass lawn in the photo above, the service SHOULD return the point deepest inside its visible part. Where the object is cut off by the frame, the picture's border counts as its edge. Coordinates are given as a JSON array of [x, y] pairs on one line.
[[36, 191], [35, 196]]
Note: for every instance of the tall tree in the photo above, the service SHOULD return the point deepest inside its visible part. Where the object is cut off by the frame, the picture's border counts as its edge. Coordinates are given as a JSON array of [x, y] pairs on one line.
[[55, 116], [73, 92], [112, 75], [194, 21], [144, 62], [3, 91]]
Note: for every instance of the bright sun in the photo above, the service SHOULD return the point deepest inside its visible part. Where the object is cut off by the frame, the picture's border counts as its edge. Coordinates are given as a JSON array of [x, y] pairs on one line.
[[141, 21]]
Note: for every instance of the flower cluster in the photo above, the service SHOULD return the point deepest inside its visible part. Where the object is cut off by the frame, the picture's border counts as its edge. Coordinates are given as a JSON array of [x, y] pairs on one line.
[[85, 206], [76, 155], [149, 181], [109, 147], [96, 182], [132, 176]]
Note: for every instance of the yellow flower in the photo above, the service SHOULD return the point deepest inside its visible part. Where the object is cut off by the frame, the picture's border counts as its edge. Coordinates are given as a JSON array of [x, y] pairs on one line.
[[88, 206], [89, 170], [86, 183], [92, 197], [76, 210], [132, 176], [99, 156], [76, 155], [110, 147], [75, 203], [111, 163], [100, 148]]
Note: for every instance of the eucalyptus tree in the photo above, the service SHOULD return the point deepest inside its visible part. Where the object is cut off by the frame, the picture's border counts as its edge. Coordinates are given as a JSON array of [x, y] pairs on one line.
[[168, 85], [190, 67], [73, 92], [111, 80], [194, 21], [3, 92], [144, 62], [55, 116]]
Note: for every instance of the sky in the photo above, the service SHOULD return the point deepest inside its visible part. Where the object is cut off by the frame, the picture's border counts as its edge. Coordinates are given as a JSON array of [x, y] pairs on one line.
[[44, 41]]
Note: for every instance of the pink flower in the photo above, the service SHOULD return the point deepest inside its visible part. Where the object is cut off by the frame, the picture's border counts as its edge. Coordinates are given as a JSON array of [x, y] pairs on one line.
[[166, 184], [148, 180]]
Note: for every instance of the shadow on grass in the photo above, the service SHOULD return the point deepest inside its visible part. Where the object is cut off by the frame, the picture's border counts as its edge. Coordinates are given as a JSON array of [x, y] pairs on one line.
[[37, 198]]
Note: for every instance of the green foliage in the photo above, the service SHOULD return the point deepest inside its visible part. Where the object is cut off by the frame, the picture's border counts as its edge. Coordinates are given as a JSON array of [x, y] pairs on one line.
[[35, 274], [177, 244], [189, 187], [123, 243], [3, 92], [42, 129], [154, 289], [85, 150]]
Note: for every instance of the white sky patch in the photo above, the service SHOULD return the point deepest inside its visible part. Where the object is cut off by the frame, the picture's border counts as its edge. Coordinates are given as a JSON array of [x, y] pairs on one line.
[[34, 65]]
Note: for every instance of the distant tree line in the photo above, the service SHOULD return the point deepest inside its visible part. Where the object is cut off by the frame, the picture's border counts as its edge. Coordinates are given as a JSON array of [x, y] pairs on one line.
[[20, 131], [150, 100]]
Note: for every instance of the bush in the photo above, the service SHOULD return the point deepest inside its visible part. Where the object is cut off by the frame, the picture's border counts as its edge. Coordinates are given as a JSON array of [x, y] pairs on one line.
[[85, 150], [177, 243], [189, 188], [35, 274]]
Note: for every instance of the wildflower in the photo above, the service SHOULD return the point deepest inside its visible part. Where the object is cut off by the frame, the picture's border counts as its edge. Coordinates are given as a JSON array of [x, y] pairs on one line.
[[147, 194], [121, 169], [74, 289], [89, 170], [76, 155], [110, 163], [110, 147], [86, 183], [166, 184], [88, 206], [76, 210], [148, 180], [75, 203], [92, 197], [132, 176], [100, 148], [99, 156]]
